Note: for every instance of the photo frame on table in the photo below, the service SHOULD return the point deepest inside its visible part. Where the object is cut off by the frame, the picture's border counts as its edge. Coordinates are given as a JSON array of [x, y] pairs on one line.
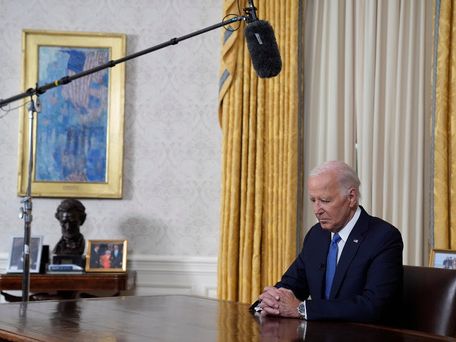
[[15, 259], [78, 135], [443, 258], [106, 256]]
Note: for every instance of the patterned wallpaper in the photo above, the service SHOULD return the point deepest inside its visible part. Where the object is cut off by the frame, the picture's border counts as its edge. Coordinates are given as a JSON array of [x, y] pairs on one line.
[[172, 134]]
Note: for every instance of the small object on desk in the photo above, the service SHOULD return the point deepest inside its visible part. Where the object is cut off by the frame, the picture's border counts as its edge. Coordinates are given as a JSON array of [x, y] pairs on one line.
[[106, 256], [65, 268], [44, 259], [78, 260], [16, 260]]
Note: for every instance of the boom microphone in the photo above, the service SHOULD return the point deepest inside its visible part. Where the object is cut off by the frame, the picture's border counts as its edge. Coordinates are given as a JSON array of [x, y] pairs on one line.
[[262, 45]]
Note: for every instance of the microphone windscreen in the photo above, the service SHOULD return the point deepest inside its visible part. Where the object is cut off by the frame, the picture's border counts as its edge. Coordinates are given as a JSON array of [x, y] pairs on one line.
[[263, 48]]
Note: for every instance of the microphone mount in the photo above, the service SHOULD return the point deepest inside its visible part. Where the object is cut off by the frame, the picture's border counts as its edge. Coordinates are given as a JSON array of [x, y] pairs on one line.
[[251, 12]]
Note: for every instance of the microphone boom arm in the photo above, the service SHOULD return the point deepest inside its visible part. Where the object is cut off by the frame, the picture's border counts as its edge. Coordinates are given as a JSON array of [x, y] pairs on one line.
[[67, 79]]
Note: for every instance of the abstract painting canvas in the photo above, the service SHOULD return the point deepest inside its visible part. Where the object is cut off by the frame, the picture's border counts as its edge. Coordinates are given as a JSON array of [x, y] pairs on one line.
[[79, 130]]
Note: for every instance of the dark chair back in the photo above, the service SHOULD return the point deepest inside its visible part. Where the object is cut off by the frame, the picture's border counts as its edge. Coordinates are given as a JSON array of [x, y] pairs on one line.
[[429, 300]]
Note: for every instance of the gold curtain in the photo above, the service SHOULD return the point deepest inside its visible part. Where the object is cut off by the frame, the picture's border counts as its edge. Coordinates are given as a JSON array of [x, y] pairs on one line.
[[445, 130], [259, 119]]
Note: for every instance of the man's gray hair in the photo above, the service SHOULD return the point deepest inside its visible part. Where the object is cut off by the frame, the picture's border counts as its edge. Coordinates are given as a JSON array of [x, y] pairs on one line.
[[347, 177]]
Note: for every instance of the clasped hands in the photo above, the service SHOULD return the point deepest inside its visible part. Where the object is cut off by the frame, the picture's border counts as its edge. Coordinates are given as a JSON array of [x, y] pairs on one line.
[[278, 302]]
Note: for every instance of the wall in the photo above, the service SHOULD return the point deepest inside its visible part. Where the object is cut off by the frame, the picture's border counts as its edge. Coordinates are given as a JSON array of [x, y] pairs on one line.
[[170, 209]]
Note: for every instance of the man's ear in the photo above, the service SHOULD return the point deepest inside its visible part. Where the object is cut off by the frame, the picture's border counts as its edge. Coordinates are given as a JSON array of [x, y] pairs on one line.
[[353, 197]]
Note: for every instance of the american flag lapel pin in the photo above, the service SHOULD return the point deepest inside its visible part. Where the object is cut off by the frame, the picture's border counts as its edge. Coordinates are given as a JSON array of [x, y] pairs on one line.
[[355, 240]]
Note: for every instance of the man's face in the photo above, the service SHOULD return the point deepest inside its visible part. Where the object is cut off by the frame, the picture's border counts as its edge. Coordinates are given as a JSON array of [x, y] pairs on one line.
[[69, 221], [332, 206]]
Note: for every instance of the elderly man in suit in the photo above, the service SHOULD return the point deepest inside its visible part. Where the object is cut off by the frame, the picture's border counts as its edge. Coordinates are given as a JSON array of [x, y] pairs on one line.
[[350, 265]]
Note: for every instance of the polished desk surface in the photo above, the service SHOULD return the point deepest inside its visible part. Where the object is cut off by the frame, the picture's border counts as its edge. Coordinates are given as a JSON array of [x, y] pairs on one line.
[[173, 318]]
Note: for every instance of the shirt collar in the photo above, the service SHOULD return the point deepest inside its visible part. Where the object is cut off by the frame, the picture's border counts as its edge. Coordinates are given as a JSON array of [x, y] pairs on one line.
[[345, 232]]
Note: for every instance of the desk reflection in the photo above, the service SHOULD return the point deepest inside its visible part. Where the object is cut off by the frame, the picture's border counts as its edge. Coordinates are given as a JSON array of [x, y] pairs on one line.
[[175, 318], [66, 316], [283, 329]]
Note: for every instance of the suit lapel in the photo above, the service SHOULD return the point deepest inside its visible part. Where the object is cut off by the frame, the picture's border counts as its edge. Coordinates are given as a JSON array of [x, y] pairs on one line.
[[351, 247]]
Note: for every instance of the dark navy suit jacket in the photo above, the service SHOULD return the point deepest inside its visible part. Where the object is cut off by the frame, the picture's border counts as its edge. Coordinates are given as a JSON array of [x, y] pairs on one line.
[[368, 279]]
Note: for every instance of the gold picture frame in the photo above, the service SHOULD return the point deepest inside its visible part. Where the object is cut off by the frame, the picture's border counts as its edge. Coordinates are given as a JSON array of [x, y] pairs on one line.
[[78, 135], [106, 256], [443, 258]]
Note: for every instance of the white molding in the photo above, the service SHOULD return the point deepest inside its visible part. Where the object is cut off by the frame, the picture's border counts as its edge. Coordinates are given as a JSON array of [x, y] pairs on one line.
[[159, 274]]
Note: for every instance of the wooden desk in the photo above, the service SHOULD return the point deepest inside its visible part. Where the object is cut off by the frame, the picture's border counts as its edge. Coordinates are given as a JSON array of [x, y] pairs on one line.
[[174, 318], [68, 285]]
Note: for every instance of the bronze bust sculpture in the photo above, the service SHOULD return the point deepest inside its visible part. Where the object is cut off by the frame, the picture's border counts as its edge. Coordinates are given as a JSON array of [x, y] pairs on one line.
[[71, 215]]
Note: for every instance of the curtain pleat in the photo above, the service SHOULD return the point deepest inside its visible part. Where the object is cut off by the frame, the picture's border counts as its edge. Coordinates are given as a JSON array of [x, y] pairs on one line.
[[444, 214], [259, 176]]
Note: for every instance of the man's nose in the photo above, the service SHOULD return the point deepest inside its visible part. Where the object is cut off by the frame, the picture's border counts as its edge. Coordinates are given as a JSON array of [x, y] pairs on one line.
[[317, 207]]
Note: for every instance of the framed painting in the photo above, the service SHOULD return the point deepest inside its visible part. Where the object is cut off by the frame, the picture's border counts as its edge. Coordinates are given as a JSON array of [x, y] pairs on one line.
[[15, 259], [443, 258], [106, 256], [78, 135]]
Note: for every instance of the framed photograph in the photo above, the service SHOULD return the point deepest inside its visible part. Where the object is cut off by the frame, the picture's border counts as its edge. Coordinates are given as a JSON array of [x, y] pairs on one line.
[[106, 256], [78, 135], [16, 261], [443, 258]]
